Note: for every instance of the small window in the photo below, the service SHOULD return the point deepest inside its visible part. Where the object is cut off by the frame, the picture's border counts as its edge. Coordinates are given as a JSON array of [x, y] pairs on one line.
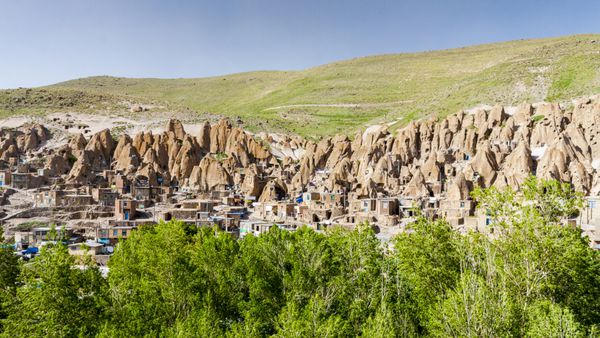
[[115, 233], [124, 233], [462, 204], [592, 204]]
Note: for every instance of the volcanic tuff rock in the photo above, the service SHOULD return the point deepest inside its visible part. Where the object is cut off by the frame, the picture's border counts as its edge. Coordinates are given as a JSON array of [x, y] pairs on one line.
[[499, 146]]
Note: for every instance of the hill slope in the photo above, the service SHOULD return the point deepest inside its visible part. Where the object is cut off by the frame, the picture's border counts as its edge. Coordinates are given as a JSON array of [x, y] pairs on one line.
[[344, 96]]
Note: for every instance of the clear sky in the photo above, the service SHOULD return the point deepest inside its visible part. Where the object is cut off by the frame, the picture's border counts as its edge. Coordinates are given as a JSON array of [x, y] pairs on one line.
[[47, 41]]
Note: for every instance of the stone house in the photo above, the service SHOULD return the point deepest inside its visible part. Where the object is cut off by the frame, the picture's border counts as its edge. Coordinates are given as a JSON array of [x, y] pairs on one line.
[[47, 198], [121, 184], [112, 234], [387, 206], [88, 248], [77, 200], [41, 234], [104, 196], [456, 211], [5, 177], [23, 181], [125, 209], [589, 220], [57, 198], [286, 210]]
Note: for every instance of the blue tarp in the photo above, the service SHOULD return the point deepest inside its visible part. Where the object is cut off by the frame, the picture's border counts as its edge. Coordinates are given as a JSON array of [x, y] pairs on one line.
[[30, 250]]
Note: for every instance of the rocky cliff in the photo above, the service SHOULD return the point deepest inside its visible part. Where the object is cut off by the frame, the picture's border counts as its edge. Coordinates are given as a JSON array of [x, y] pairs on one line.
[[497, 146]]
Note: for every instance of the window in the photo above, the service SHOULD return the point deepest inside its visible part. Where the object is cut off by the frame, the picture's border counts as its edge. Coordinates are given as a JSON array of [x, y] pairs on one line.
[[462, 204], [592, 204], [385, 204], [365, 204], [115, 233], [124, 233]]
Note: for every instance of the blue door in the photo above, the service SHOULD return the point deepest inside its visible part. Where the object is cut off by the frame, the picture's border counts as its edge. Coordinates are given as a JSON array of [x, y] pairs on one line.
[[126, 215]]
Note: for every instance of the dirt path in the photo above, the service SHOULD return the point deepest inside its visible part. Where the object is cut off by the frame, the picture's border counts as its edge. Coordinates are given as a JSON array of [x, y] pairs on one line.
[[340, 105]]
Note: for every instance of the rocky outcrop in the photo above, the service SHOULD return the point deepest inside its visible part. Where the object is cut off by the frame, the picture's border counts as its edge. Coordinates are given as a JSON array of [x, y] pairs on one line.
[[175, 127], [57, 165], [209, 174], [496, 146], [100, 147]]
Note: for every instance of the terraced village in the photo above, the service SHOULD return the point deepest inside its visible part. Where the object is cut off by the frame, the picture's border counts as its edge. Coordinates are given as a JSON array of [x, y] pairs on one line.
[[98, 186]]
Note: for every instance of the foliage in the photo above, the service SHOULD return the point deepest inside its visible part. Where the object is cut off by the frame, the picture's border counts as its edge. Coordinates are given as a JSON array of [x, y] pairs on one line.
[[9, 273], [550, 320], [57, 298], [537, 118]]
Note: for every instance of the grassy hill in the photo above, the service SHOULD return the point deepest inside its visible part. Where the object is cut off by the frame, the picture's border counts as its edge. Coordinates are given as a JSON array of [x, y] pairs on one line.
[[347, 95]]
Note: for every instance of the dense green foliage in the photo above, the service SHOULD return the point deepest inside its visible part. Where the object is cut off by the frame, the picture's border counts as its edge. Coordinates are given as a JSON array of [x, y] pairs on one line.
[[531, 277]]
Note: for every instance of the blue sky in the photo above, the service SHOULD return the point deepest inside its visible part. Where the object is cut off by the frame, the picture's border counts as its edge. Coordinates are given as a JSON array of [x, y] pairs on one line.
[[47, 41]]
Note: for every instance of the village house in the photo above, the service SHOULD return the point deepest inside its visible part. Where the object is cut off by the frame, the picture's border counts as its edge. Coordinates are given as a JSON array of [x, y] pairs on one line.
[[23, 239], [266, 210], [228, 225], [77, 200], [22, 181], [104, 196], [480, 221], [219, 193], [310, 197], [87, 248], [42, 234], [330, 200], [387, 211], [125, 209], [5, 177], [111, 234], [286, 210], [46, 198], [120, 183], [589, 220], [456, 211], [56, 198], [255, 227]]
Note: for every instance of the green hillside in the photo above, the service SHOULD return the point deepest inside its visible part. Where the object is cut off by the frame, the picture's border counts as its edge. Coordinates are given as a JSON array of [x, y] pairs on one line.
[[347, 95]]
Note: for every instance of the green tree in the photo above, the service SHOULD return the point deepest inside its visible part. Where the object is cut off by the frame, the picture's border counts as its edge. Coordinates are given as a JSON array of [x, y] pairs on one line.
[[200, 323], [355, 291], [427, 255], [9, 273], [265, 265], [312, 320], [472, 309], [57, 298], [219, 275], [549, 320], [537, 255], [152, 281]]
